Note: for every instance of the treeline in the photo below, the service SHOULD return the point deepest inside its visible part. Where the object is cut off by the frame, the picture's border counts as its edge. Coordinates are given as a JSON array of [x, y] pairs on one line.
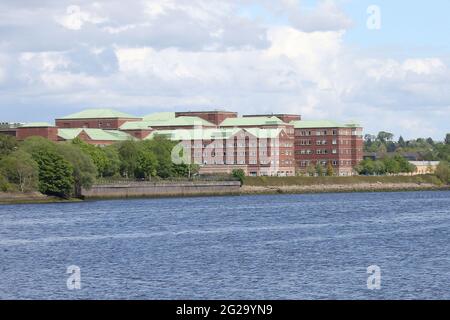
[[63, 169], [427, 149], [388, 165]]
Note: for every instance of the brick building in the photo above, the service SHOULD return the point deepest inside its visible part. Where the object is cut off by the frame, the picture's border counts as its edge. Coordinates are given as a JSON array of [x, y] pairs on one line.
[[220, 141], [96, 119]]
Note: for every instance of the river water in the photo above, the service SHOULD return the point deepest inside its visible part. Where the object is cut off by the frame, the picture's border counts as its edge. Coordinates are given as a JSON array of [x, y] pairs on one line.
[[249, 247]]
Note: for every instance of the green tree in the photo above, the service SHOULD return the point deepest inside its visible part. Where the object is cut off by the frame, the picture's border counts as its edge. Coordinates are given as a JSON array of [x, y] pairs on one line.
[[319, 169], [128, 154], [311, 170], [239, 174], [447, 139], [443, 171], [8, 144], [147, 165], [55, 173], [84, 170], [330, 171], [4, 184], [112, 167], [97, 155], [401, 142], [391, 165], [162, 148], [384, 136], [20, 168]]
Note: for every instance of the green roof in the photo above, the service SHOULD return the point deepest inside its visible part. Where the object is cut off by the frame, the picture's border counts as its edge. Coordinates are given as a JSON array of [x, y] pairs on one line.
[[251, 121], [194, 134], [95, 134], [160, 116], [99, 114], [270, 133], [175, 122], [302, 124], [37, 125]]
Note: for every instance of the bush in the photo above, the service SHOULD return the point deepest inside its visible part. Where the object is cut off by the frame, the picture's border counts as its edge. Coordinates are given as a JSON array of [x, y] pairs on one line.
[[239, 174], [4, 185], [19, 168], [443, 172]]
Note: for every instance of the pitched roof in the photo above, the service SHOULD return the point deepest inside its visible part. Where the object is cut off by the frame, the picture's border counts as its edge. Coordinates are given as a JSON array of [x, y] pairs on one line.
[[175, 122], [310, 124], [270, 133], [194, 134], [37, 125], [160, 116], [251, 121], [99, 114], [95, 134]]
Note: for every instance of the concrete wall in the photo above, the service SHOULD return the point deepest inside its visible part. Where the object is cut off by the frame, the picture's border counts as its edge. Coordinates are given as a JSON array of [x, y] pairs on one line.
[[162, 189]]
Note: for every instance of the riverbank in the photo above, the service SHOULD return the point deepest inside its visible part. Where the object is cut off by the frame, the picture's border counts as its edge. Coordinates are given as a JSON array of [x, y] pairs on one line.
[[277, 185], [252, 185], [30, 197]]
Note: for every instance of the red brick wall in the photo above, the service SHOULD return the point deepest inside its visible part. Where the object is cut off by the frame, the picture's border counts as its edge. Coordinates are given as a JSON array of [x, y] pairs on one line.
[[347, 145], [215, 117], [50, 133], [93, 123]]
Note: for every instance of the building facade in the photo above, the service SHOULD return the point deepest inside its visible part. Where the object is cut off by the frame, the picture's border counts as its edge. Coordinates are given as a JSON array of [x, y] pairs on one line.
[[220, 141]]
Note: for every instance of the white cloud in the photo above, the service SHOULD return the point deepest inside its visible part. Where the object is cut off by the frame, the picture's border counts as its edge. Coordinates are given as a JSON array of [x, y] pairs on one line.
[[75, 18], [190, 54]]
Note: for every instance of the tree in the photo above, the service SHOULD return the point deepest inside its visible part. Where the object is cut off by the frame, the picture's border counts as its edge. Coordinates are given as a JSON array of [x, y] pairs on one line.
[[447, 139], [55, 173], [84, 170], [239, 174], [20, 168], [97, 155], [319, 169], [162, 148], [311, 170], [391, 165], [443, 171], [128, 154], [4, 184], [146, 165], [401, 142], [384, 137], [112, 167], [8, 144], [330, 171]]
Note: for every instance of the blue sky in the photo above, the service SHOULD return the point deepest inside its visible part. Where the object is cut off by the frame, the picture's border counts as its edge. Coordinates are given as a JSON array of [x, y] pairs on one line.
[[316, 58]]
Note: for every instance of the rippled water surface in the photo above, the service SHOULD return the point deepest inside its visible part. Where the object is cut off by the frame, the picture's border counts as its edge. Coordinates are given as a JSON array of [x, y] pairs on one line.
[[252, 247]]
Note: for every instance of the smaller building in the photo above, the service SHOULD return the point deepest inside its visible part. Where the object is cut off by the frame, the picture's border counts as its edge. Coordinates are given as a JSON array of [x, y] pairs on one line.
[[425, 167], [96, 119], [41, 129]]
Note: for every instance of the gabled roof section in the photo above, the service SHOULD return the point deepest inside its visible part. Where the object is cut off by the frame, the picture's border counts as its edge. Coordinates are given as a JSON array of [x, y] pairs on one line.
[[95, 134], [251, 121], [261, 133], [303, 124], [99, 114], [37, 125], [194, 134], [175, 122]]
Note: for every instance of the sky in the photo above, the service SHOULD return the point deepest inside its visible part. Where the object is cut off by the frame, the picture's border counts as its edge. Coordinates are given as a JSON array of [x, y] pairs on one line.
[[384, 64]]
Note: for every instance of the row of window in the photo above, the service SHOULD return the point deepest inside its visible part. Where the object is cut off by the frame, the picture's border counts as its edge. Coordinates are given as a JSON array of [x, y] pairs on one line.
[[335, 163]]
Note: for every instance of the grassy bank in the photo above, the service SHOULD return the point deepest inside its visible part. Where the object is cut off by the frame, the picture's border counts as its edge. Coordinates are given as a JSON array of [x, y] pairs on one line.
[[310, 181], [287, 185], [30, 197]]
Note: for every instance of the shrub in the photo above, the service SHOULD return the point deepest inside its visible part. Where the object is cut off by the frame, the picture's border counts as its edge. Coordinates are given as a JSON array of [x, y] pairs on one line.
[[239, 174]]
